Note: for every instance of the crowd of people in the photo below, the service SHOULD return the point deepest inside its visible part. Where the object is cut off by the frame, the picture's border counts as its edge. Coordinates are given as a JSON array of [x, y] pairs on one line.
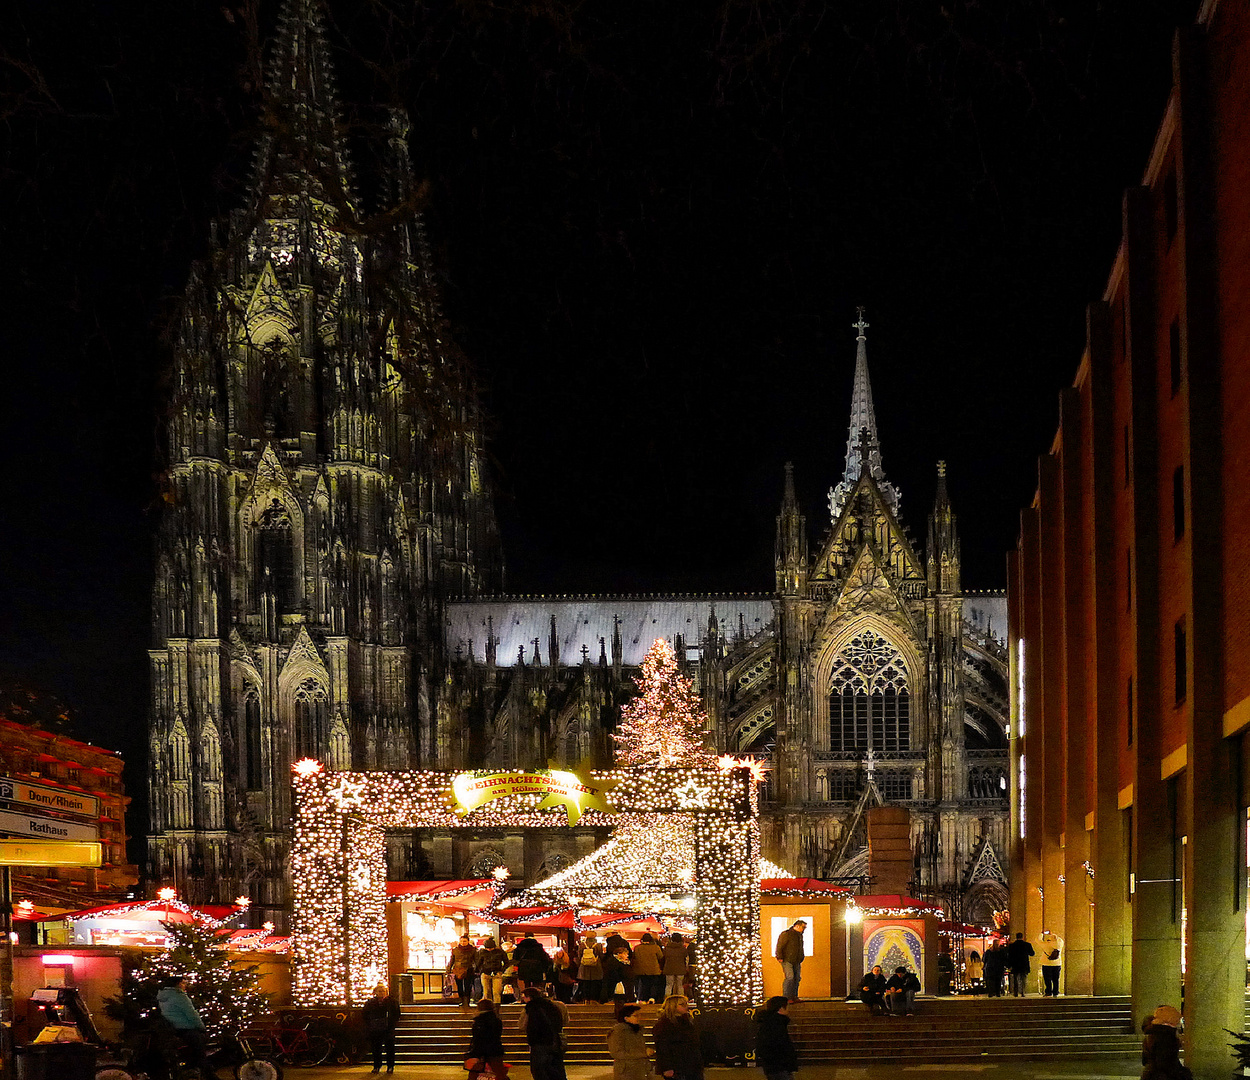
[[611, 970]]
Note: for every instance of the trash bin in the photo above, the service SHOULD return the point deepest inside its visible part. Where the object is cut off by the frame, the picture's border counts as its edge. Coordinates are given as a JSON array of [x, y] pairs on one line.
[[54, 1061], [402, 989]]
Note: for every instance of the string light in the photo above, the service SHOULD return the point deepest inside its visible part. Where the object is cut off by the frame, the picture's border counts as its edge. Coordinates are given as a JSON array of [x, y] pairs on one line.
[[338, 864], [664, 725]]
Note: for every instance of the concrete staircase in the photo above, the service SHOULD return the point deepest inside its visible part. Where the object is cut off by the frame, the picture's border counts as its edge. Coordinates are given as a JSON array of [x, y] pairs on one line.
[[943, 1030]]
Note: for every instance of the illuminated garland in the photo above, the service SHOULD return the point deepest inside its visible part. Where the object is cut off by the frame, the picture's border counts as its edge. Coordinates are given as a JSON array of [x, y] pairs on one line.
[[338, 866], [155, 906]]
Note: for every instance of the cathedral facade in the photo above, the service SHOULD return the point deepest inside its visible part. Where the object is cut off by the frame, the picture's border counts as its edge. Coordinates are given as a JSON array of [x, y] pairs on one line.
[[328, 577]]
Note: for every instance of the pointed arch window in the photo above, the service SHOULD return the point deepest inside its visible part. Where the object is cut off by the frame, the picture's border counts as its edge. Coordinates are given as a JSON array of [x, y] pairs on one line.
[[339, 752], [252, 740], [311, 719], [275, 556], [869, 697]]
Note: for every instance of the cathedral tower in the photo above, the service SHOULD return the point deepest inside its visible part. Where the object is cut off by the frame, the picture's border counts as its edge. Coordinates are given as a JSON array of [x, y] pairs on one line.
[[326, 490]]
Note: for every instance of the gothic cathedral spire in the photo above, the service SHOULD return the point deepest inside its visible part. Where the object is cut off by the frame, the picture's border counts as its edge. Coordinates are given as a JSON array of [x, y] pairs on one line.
[[300, 153], [861, 440]]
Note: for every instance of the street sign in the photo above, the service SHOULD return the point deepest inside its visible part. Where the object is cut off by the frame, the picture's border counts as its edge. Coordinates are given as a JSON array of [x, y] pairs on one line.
[[49, 798], [46, 828], [50, 853]]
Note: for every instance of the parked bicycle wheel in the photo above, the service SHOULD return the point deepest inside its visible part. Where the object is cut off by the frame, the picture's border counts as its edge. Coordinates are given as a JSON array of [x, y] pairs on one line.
[[316, 1050], [258, 1068]]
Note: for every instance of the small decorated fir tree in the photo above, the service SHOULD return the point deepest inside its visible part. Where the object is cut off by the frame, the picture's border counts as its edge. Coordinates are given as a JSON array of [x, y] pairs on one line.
[[663, 726], [226, 994]]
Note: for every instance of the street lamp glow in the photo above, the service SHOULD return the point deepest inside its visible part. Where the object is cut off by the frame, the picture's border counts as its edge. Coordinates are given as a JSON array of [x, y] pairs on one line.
[[853, 915], [167, 894]]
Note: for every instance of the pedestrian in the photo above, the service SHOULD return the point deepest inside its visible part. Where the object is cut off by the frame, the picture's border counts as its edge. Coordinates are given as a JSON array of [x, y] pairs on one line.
[[486, 1042], [532, 962], [460, 967], [542, 1024], [946, 972], [648, 957], [1161, 1047], [900, 992], [992, 970], [676, 960], [1050, 945], [774, 1051], [615, 943], [678, 1055], [562, 972], [617, 977], [976, 972], [628, 1046], [589, 970], [789, 953], [381, 1017], [1018, 953], [871, 989], [491, 961], [180, 1013]]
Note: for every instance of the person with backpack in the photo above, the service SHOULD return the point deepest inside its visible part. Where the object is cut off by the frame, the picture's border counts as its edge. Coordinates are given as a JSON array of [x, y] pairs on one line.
[[491, 960], [532, 962], [589, 971], [542, 1024]]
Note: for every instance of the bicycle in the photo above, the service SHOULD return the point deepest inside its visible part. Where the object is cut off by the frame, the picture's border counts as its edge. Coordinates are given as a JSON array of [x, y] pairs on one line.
[[293, 1045]]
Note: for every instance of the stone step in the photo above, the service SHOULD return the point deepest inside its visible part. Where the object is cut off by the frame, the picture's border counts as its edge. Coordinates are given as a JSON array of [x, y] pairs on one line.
[[945, 1030]]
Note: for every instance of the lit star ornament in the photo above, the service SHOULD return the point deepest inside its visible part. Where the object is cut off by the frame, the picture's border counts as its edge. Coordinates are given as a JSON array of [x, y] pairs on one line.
[[349, 793], [691, 796]]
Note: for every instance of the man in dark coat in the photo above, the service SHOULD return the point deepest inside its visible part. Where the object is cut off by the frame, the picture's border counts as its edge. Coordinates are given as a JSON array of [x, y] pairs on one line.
[[789, 953], [901, 991], [1018, 953], [992, 971], [532, 962], [543, 1023], [774, 1051], [871, 987], [381, 1016]]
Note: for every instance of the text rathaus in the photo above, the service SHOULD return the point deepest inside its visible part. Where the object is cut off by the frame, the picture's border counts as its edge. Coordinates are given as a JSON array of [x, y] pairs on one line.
[[328, 577]]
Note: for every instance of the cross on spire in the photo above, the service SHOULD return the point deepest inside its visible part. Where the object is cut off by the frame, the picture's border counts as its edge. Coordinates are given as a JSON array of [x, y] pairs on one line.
[[860, 324]]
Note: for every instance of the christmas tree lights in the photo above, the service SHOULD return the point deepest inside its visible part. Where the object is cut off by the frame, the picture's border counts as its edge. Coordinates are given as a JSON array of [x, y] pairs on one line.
[[338, 864], [664, 726]]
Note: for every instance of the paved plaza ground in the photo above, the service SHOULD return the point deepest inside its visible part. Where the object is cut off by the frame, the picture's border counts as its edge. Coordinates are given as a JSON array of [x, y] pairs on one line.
[[1034, 1070]]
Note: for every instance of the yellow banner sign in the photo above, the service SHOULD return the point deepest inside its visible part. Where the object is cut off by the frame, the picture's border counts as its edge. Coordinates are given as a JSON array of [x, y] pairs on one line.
[[470, 791], [50, 853]]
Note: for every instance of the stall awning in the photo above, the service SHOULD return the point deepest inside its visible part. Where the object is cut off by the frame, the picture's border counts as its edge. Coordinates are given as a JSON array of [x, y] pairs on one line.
[[896, 901], [472, 894]]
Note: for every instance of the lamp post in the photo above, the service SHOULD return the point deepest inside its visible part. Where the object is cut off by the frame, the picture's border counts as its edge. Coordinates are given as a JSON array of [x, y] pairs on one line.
[[853, 917]]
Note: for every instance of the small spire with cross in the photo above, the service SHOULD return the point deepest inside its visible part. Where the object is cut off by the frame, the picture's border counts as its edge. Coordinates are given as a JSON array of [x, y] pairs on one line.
[[860, 324]]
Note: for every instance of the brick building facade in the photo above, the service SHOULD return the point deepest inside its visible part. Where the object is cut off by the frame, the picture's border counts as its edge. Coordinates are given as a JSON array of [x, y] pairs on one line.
[[1129, 590]]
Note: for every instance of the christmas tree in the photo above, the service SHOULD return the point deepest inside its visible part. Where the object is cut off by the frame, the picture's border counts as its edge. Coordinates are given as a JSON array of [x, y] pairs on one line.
[[226, 994], [663, 726]]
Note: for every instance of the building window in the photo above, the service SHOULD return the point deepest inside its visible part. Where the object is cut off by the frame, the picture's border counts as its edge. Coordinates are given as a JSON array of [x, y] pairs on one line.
[[869, 702], [1129, 709], [894, 784], [275, 565], [1178, 502], [1171, 215], [311, 726], [1174, 354], [251, 741], [843, 785], [1180, 661]]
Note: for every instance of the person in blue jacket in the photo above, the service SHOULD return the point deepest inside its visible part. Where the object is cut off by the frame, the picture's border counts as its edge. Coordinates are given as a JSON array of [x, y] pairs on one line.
[[181, 1015]]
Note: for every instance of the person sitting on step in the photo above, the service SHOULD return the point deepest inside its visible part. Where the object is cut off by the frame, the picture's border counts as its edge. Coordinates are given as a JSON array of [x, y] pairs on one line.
[[900, 992], [871, 987]]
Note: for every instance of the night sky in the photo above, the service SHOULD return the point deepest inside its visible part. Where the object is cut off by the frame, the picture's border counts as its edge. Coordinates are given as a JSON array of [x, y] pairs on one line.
[[653, 221]]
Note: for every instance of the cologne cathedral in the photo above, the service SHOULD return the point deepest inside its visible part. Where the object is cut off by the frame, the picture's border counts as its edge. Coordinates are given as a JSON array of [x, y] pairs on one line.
[[328, 579]]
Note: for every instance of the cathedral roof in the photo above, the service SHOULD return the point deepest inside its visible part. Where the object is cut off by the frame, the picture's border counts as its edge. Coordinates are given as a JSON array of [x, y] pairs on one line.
[[861, 440], [516, 622], [301, 151]]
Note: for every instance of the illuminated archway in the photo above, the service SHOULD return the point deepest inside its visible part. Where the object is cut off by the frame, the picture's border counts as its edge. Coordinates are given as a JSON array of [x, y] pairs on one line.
[[338, 865]]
